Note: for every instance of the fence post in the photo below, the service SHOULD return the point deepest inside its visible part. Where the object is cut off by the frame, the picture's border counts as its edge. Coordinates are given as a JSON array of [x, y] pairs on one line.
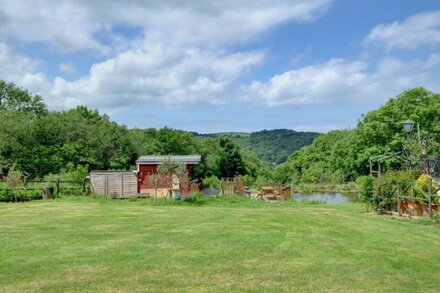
[[25, 181], [84, 185], [57, 184], [398, 200], [429, 198]]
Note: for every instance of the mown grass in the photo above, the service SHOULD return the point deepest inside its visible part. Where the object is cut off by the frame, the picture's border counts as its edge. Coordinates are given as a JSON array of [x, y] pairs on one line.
[[230, 244]]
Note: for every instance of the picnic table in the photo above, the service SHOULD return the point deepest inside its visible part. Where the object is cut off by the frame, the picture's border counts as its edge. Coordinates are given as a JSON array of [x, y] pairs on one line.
[[267, 190]]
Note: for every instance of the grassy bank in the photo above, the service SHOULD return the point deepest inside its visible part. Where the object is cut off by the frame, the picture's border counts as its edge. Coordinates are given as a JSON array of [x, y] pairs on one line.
[[349, 187], [230, 244]]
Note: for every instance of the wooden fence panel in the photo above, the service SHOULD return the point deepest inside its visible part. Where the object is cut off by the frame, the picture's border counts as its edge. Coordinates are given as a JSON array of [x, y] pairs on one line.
[[117, 184]]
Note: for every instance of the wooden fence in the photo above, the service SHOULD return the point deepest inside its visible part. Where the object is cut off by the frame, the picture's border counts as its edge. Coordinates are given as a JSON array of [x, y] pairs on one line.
[[232, 186], [56, 187], [117, 184], [411, 198]]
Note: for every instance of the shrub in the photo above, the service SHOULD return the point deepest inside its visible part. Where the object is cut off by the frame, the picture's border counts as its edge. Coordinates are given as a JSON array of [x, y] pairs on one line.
[[248, 180], [14, 180], [305, 188], [436, 218], [423, 184], [261, 181], [384, 187], [366, 185], [211, 182], [6, 195]]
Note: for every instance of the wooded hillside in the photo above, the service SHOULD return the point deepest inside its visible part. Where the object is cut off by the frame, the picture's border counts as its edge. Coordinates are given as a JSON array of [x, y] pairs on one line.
[[273, 146]]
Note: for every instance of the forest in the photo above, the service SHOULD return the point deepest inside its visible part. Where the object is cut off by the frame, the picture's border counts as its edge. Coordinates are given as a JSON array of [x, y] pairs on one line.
[[273, 146], [40, 143]]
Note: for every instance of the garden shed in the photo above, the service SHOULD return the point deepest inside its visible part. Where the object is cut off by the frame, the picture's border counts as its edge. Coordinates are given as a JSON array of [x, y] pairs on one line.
[[147, 166], [117, 184]]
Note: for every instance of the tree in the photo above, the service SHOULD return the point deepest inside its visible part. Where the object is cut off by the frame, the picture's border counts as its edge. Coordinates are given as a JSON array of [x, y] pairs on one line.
[[230, 161], [17, 99], [156, 182], [169, 170], [13, 181]]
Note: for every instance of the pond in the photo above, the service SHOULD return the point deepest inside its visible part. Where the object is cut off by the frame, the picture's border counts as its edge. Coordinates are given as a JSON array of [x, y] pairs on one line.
[[327, 197]]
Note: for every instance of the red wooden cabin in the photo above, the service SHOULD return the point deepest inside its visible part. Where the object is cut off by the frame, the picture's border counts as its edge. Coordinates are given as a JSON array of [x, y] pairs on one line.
[[147, 165]]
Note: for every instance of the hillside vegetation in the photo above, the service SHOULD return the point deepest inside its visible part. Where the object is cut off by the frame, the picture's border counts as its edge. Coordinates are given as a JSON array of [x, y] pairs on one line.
[[343, 155], [273, 146]]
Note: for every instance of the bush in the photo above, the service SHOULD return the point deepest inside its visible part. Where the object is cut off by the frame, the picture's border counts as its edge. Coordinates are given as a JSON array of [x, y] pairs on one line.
[[384, 187], [366, 185], [423, 184], [248, 180], [305, 188], [261, 181], [211, 182], [71, 173], [8, 195]]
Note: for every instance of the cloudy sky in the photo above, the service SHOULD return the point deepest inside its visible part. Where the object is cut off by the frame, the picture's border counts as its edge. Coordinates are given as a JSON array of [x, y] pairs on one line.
[[227, 65]]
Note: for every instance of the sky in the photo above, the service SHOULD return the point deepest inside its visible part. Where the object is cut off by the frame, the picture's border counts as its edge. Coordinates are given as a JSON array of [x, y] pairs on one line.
[[215, 66]]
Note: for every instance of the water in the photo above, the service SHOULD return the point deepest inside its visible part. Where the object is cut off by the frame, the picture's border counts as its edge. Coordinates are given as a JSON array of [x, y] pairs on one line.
[[327, 197]]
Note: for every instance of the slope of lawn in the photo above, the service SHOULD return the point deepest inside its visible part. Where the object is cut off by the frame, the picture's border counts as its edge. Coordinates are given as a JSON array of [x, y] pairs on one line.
[[103, 245]]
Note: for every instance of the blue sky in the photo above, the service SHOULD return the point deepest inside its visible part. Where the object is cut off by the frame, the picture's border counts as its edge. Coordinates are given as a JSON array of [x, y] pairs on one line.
[[212, 66]]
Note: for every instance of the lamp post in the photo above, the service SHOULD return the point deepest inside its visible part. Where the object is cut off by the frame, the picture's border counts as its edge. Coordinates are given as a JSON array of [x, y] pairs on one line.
[[408, 125]]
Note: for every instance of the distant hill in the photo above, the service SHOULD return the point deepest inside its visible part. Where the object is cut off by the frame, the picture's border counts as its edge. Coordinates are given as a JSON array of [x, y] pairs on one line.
[[273, 146]]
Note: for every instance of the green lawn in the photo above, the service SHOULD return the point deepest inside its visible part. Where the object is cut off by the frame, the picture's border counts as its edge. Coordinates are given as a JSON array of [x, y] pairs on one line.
[[104, 245]]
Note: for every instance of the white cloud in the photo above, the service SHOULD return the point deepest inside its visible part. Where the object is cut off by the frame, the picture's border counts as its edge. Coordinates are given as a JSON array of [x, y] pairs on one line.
[[74, 25], [176, 79], [416, 31], [182, 54], [14, 65], [68, 68], [339, 81], [66, 26]]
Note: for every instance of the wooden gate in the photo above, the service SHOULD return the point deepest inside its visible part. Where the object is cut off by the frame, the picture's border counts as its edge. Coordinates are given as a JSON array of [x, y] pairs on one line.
[[232, 186]]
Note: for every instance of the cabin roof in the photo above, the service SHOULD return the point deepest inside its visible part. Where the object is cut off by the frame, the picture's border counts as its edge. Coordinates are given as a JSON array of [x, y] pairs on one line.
[[156, 160]]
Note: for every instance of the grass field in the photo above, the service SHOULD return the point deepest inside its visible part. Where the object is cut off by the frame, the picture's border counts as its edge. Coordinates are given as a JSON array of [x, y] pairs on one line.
[[103, 245]]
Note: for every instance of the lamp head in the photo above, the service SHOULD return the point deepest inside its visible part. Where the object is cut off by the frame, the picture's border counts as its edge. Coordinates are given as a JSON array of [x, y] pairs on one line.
[[408, 125]]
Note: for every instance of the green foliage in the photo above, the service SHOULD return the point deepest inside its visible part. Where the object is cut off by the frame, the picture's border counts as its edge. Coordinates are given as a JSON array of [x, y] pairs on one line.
[[211, 182], [248, 180], [230, 160], [261, 181], [272, 146], [366, 184], [46, 144], [14, 179], [343, 155], [9, 195], [70, 173], [14, 98], [436, 218], [384, 189]]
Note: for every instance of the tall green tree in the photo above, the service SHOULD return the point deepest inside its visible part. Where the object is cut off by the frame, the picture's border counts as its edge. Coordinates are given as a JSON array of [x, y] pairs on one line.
[[230, 159], [17, 99]]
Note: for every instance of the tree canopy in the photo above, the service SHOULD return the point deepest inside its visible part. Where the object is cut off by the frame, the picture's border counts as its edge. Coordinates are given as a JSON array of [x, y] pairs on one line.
[[343, 154]]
